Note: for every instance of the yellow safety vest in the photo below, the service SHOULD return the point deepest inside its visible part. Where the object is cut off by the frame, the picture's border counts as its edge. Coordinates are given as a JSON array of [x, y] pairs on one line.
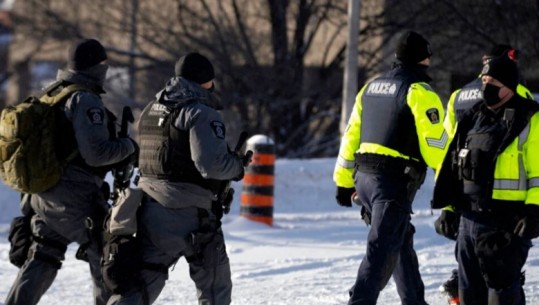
[[421, 99]]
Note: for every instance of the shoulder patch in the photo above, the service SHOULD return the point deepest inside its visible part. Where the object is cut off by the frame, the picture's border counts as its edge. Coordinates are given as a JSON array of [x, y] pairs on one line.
[[218, 129], [433, 115], [96, 116]]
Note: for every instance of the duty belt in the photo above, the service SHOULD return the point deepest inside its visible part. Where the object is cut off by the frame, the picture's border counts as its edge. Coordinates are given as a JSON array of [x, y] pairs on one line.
[[380, 164]]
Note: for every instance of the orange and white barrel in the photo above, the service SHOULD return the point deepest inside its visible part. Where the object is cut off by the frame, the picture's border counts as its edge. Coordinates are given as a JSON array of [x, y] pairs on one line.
[[258, 182]]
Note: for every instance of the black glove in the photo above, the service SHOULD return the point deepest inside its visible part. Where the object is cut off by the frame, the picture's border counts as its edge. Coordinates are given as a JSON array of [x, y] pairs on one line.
[[528, 226], [247, 158], [227, 201], [447, 224], [344, 196]]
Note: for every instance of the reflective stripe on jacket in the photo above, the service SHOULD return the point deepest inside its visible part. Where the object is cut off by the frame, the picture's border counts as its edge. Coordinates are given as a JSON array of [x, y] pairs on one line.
[[516, 171], [516, 175]]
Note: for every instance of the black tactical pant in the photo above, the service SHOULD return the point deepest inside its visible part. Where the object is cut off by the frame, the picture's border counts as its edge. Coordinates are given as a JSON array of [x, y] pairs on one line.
[[61, 218], [166, 235]]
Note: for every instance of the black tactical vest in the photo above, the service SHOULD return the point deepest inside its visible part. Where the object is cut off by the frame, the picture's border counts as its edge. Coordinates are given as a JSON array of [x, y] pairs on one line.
[[476, 160], [165, 151], [468, 96], [386, 119]]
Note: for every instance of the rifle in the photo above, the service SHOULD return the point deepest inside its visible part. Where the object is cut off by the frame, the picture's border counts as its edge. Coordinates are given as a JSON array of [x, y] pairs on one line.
[[124, 170], [225, 191]]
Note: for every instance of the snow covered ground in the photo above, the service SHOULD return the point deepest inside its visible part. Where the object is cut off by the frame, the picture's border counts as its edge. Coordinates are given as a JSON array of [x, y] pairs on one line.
[[309, 256]]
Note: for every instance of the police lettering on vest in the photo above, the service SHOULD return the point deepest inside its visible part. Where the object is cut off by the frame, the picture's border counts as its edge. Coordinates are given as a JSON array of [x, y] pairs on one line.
[[382, 88], [469, 95]]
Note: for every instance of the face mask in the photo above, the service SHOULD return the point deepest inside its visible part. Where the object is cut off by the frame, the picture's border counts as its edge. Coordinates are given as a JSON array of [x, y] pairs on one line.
[[101, 73], [212, 88], [98, 73], [490, 94]]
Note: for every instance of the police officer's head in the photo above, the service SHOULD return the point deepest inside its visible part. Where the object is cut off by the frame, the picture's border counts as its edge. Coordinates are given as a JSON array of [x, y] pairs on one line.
[[196, 68], [500, 80], [412, 48], [499, 50], [84, 54]]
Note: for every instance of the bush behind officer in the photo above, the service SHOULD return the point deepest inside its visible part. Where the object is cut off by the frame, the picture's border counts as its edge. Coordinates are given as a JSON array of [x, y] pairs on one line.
[[183, 160], [395, 131], [63, 212], [490, 176]]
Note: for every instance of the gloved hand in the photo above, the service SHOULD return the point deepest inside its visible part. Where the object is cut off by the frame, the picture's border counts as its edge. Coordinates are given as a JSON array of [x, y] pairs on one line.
[[123, 170], [528, 226], [447, 224], [247, 158], [344, 196], [227, 202]]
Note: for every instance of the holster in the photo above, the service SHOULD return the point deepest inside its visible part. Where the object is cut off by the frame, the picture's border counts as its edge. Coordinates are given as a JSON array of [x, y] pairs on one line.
[[198, 241], [499, 259]]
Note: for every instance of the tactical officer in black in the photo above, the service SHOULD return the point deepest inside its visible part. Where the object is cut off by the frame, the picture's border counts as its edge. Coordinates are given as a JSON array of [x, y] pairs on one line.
[[65, 212], [183, 159]]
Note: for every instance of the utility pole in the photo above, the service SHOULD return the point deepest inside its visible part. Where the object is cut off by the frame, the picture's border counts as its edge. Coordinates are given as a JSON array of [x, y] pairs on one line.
[[132, 50], [350, 85]]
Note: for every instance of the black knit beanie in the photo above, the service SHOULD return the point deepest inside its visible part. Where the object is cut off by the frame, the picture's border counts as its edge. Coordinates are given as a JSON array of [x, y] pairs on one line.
[[85, 53], [412, 48], [503, 69], [195, 67], [500, 49]]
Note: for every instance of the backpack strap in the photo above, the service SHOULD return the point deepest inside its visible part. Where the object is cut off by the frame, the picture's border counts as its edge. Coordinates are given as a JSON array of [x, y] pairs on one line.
[[61, 93], [57, 94]]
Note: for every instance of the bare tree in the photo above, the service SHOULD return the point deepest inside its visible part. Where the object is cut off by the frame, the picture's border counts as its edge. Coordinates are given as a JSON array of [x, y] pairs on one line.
[[279, 62]]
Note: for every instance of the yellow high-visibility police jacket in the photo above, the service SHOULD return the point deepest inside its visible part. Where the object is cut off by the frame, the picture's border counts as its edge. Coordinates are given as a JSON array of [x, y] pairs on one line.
[[516, 172], [400, 107], [465, 97]]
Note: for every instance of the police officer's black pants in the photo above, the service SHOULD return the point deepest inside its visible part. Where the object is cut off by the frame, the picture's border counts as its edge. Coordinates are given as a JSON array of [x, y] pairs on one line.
[[390, 242], [163, 234], [473, 268], [38, 273]]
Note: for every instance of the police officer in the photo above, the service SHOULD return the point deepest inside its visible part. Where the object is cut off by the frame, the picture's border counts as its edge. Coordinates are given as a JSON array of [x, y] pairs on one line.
[[184, 158], [66, 212], [395, 131], [460, 101], [465, 97], [490, 176]]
